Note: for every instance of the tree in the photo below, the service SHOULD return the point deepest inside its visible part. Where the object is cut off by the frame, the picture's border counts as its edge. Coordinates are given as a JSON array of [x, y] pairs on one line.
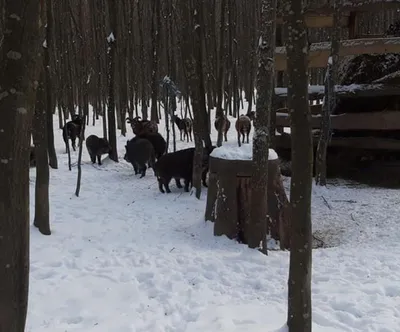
[[299, 302], [18, 79], [49, 49], [265, 88], [39, 133], [219, 113], [112, 131], [192, 54]]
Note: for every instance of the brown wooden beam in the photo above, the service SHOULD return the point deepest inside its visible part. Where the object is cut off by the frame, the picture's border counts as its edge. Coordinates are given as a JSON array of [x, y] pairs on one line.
[[320, 52], [368, 143], [385, 120], [315, 20], [314, 92], [348, 91], [348, 6], [315, 109]]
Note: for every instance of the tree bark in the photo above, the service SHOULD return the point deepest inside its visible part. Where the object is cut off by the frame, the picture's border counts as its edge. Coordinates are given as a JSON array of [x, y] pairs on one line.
[[49, 89], [112, 131], [18, 80], [155, 40], [220, 78], [39, 133], [299, 298], [193, 66], [265, 88]]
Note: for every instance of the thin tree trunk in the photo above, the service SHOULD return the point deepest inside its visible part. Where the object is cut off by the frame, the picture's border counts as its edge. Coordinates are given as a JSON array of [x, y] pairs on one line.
[[265, 88], [112, 131], [299, 292], [81, 136], [39, 133], [49, 89], [156, 25], [220, 78]]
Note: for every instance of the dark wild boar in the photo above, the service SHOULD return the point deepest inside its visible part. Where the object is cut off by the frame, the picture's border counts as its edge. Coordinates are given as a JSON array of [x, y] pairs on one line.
[[96, 147], [140, 152]]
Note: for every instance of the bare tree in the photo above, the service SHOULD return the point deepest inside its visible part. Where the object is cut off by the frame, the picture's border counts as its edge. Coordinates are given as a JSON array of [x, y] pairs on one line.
[[18, 73], [265, 88], [39, 133], [81, 136], [49, 49], [220, 78], [192, 25], [299, 308], [112, 131]]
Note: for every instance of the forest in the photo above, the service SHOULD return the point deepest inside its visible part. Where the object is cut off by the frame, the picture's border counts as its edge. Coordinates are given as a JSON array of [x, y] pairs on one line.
[[191, 165]]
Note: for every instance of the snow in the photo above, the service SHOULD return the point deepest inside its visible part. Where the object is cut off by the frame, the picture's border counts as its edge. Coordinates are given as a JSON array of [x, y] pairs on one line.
[[245, 152], [123, 257], [111, 38]]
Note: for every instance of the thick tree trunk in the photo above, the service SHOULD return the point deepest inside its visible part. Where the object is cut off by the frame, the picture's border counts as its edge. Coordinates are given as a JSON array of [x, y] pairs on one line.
[[18, 74], [39, 133], [299, 302], [265, 88]]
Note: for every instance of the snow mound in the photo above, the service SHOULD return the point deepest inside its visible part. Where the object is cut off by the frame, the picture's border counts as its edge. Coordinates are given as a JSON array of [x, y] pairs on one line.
[[244, 152]]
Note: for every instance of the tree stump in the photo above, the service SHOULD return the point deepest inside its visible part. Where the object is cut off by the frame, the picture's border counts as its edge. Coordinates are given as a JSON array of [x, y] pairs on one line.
[[229, 195]]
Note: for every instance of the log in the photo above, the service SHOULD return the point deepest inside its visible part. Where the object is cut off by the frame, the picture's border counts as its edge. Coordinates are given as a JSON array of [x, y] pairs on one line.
[[229, 197], [320, 52]]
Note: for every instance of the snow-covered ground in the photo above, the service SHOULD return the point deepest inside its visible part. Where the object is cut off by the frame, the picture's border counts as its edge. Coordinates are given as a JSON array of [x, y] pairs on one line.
[[124, 258]]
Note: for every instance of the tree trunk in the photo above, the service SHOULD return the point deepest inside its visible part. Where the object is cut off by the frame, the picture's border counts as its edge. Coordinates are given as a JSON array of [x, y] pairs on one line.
[[265, 88], [39, 133], [49, 89], [193, 60], [112, 131], [20, 54], [220, 78], [155, 40], [299, 293], [82, 135]]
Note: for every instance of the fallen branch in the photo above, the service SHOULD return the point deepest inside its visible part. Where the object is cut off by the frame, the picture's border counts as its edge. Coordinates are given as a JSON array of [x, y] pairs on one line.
[[326, 203]]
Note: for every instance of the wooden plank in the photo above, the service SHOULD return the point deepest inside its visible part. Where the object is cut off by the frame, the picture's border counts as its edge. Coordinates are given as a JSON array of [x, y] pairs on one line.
[[368, 143], [314, 92], [369, 5], [320, 52], [386, 120], [348, 91], [316, 20], [315, 109], [348, 6]]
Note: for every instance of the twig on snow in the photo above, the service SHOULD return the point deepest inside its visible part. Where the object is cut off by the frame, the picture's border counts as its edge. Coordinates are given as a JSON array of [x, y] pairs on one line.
[[326, 203]]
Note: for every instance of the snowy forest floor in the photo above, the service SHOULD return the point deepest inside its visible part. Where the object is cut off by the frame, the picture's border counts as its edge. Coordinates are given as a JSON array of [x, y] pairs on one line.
[[124, 258]]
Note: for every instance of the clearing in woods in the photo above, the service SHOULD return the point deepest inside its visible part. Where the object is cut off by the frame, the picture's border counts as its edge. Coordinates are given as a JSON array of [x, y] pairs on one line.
[[123, 257]]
